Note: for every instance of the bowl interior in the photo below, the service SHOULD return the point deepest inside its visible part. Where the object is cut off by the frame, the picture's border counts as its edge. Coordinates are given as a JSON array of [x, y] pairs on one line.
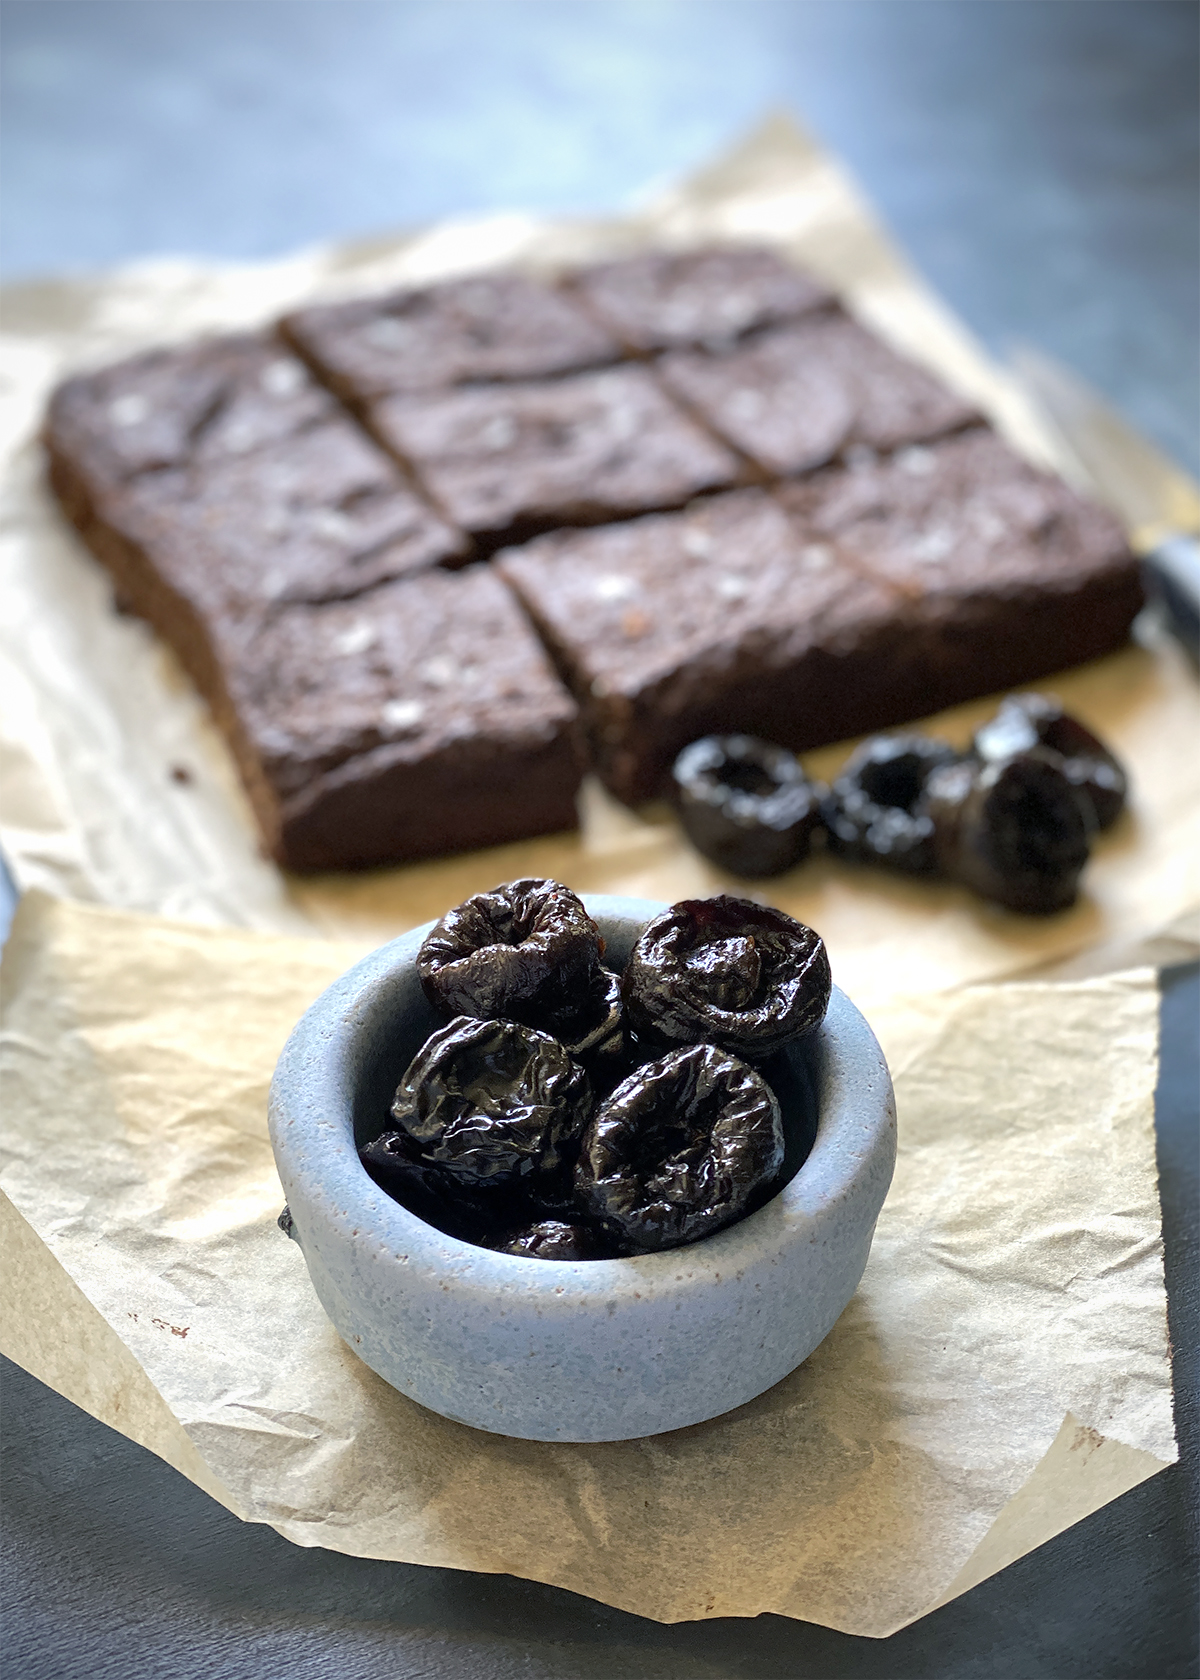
[[397, 1018]]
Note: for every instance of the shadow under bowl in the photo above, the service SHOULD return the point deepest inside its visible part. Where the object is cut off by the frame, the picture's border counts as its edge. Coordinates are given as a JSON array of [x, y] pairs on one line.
[[598, 1350]]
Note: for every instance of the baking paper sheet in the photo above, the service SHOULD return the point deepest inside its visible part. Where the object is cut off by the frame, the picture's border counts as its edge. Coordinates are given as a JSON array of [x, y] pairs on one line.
[[97, 714], [1002, 1371]]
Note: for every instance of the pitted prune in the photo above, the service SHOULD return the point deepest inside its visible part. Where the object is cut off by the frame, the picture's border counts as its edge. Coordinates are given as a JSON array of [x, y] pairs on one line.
[[516, 953], [558, 1239], [729, 972], [493, 1103], [591, 1026], [746, 804], [680, 1148], [872, 809], [1025, 721], [472, 1214], [1016, 831]]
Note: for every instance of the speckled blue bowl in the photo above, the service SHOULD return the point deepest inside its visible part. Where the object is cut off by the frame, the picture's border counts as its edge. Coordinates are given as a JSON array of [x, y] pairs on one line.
[[603, 1350]]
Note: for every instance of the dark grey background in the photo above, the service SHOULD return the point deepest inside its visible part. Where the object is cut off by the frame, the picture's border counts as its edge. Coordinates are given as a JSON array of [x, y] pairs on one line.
[[1039, 163]]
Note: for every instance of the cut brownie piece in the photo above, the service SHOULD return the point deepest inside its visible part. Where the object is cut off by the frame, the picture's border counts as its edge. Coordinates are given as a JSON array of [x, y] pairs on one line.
[[713, 620], [794, 397], [224, 474], [659, 300], [490, 326], [1009, 575], [210, 401], [507, 460]]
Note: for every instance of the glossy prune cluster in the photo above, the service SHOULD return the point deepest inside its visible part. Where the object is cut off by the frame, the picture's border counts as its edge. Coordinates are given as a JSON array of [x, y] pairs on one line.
[[568, 1113], [1012, 817]]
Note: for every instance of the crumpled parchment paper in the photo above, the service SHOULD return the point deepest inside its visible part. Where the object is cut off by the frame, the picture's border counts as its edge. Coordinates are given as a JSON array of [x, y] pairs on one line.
[[1001, 1372], [96, 714]]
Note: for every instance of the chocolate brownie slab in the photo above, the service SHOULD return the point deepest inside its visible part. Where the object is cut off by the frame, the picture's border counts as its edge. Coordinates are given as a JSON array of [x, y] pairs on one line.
[[214, 400], [660, 300], [1008, 574], [489, 326], [793, 397], [715, 619], [504, 461]]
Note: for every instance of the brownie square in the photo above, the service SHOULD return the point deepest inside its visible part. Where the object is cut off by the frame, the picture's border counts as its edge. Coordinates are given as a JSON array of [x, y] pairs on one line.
[[720, 618], [794, 397], [315, 517], [215, 400], [419, 719], [486, 327], [660, 300], [1009, 575], [504, 461]]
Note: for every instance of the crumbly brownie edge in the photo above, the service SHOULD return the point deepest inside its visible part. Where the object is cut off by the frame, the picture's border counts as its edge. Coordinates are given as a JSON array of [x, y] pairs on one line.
[[144, 591]]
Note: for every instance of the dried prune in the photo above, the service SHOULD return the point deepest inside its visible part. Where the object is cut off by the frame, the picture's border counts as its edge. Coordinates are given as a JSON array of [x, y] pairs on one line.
[[729, 972], [872, 809], [471, 1213], [745, 803], [493, 1103], [1025, 721], [515, 953], [561, 1239], [590, 1026], [680, 1148], [1016, 831]]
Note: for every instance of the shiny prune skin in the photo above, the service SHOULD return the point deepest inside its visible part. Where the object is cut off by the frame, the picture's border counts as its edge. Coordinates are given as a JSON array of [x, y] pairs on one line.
[[493, 1104], [470, 1213], [591, 1026], [746, 804], [515, 953], [872, 810], [1025, 721], [563, 1239], [681, 1148], [729, 972], [1016, 830]]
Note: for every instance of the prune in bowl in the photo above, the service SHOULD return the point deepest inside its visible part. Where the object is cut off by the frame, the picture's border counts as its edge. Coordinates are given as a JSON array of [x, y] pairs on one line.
[[545, 1343]]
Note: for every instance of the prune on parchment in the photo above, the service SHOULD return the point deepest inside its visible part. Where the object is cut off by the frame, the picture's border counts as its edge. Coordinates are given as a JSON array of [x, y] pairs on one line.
[[729, 972], [680, 1148], [1025, 721], [1015, 830], [871, 810], [745, 803], [493, 1103], [564, 1239], [527, 951]]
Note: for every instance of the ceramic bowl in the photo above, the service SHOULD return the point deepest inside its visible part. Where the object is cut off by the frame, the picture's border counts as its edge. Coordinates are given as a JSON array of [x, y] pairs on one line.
[[602, 1350]]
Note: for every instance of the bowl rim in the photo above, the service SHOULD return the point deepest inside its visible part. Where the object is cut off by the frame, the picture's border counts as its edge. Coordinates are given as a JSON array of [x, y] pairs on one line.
[[311, 1124]]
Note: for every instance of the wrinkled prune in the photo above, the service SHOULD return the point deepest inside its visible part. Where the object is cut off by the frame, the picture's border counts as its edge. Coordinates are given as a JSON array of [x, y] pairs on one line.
[[591, 1025], [492, 1103], [1025, 721], [515, 953], [872, 809], [471, 1213], [680, 1148], [746, 804], [729, 972], [559, 1239], [1016, 831]]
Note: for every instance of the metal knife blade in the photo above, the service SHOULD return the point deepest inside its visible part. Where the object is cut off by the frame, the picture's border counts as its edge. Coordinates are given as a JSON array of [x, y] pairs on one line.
[[1156, 501]]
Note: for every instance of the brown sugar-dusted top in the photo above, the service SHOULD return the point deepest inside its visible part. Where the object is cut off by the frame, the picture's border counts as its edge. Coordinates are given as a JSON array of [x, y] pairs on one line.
[[964, 518], [418, 667], [794, 397], [215, 400], [673, 625], [317, 516], [659, 300], [511, 459], [485, 327]]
